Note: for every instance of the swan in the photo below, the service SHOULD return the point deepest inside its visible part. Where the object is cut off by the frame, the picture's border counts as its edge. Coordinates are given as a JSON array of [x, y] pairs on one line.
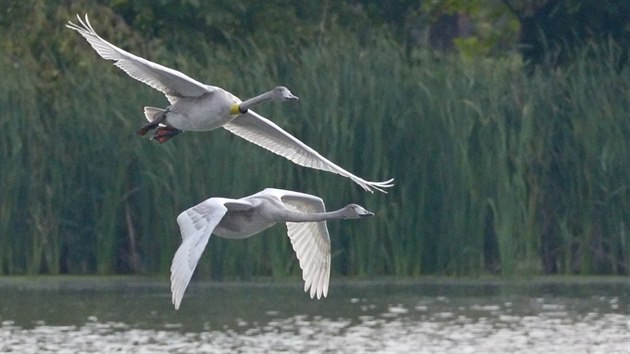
[[304, 214], [198, 107]]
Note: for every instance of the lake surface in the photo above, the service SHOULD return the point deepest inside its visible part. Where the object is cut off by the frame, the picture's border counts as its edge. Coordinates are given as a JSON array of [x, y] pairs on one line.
[[429, 315]]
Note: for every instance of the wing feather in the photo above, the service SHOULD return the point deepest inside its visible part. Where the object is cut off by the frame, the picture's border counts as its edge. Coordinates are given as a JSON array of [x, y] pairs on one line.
[[172, 83], [310, 240], [261, 131], [196, 226]]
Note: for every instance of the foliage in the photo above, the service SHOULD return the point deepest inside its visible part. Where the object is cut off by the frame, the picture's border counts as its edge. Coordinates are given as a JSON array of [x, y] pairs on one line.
[[497, 170], [488, 25], [560, 25]]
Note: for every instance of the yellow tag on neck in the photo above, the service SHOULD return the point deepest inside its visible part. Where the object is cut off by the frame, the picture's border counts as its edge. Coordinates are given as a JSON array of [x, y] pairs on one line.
[[234, 109]]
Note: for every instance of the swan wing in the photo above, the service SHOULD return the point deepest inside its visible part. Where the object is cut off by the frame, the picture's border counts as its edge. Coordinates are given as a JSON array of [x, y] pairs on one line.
[[310, 240], [196, 224], [261, 131], [172, 83]]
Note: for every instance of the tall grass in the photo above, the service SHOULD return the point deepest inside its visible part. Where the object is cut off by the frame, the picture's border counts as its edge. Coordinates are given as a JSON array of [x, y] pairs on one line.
[[496, 170]]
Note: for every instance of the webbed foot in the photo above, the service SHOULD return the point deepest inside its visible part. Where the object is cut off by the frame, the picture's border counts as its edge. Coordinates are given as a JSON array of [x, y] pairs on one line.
[[155, 116], [163, 134]]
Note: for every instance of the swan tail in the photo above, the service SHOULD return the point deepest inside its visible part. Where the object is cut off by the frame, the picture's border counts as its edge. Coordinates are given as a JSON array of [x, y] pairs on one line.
[[153, 114]]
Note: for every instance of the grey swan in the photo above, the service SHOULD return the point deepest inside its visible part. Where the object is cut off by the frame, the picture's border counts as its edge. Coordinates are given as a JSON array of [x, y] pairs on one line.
[[198, 107], [305, 216]]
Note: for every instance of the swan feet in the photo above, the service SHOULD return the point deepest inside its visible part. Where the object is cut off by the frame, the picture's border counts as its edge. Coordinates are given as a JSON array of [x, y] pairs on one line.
[[163, 134], [155, 116], [145, 128]]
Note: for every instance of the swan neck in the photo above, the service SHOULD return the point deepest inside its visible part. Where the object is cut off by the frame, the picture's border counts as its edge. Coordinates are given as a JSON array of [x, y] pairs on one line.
[[243, 107], [296, 216]]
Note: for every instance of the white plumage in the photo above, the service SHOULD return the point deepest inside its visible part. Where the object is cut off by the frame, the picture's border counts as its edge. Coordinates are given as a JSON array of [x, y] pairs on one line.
[[305, 216], [195, 106]]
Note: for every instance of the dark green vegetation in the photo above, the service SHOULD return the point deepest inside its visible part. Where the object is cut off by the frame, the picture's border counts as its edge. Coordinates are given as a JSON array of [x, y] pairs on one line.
[[498, 169]]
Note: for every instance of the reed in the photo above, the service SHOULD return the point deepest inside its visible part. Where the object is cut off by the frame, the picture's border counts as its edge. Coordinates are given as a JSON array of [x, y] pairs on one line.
[[496, 170]]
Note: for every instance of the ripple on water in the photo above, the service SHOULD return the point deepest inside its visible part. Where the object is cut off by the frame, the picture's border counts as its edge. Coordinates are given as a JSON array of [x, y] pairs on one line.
[[359, 324], [443, 332]]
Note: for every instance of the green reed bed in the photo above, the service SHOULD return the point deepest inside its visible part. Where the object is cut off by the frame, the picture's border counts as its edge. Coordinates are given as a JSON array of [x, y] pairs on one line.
[[496, 170]]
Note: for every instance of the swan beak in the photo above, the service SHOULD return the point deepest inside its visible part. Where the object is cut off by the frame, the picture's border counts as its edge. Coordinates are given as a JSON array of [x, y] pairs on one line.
[[367, 214]]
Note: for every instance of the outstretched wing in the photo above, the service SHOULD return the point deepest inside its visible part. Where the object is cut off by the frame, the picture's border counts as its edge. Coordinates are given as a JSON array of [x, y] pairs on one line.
[[172, 83], [310, 240], [261, 131], [196, 225]]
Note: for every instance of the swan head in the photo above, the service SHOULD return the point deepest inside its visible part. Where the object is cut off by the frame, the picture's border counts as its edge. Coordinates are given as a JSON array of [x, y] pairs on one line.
[[282, 93], [355, 211]]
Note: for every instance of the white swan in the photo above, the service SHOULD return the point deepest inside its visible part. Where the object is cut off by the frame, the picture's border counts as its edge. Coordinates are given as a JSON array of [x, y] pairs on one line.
[[304, 214], [196, 106]]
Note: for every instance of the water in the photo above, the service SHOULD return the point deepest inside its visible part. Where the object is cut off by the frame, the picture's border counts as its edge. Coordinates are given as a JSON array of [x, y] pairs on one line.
[[129, 315]]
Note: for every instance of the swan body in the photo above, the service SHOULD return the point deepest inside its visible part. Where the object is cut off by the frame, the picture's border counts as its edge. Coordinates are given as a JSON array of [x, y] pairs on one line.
[[304, 214], [195, 106], [207, 112]]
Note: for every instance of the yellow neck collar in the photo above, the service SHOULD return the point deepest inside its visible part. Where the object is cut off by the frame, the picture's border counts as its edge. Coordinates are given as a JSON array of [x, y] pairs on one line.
[[234, 109]]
